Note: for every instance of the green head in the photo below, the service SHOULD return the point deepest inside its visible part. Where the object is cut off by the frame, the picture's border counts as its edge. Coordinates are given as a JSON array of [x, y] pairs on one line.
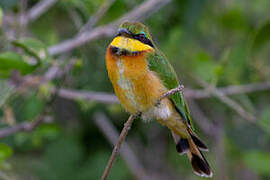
[[136, 30]]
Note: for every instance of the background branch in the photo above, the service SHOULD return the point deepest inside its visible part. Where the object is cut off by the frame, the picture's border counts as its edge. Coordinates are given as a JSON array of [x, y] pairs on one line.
[[229, 90], [97, 16], [36, 11], [23, 127], [138, 13], [226, 100], [201, 119], [110, 98]]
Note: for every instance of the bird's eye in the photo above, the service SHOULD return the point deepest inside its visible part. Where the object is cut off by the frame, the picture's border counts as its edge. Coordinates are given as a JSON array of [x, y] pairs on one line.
[[141, 37]]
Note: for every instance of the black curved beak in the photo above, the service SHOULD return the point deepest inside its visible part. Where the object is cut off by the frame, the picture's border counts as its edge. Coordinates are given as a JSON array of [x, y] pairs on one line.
[[124, 32]]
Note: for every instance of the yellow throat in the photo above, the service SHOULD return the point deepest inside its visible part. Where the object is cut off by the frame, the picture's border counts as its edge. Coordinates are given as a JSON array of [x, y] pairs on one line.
[[130, 44]]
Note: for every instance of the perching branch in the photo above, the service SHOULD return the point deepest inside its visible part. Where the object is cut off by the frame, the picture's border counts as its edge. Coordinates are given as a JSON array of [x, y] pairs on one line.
[[171, 92], [125, 130], [116, 148], [110, 132]]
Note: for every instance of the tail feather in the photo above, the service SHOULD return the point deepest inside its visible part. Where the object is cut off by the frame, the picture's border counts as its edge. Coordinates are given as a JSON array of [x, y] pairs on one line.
[[198, 142], [192, 146], [200, 165], [182, 146]]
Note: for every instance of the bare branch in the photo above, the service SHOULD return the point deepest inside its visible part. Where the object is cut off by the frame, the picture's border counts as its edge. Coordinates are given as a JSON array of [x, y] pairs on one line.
[[125, 132], [171, 92], [228, 101], [229, 90], [37, 10], [67, 45], [23, 127], [143, 10], [97, 16], [202, 121], [57, 71], [117, 146], [110, 132], [75, 17], [52, 73], [102, 97], [110, 98]]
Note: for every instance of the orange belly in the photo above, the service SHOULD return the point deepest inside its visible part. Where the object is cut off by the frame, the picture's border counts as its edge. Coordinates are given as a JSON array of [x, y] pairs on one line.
[[138, 90], [134, 84]]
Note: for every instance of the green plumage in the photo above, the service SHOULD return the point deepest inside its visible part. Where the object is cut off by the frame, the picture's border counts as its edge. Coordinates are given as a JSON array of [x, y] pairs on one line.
[[158, 63]]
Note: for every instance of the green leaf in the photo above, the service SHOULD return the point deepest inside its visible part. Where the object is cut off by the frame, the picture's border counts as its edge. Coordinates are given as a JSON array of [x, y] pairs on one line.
[[261, 37], [5, 151], [258, 161], [33, 107], [33, 48], [44, 132], [264, 121], [13, 61]]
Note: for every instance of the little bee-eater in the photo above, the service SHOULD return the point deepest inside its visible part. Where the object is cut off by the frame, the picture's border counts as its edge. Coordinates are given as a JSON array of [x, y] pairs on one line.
[[140, 75]]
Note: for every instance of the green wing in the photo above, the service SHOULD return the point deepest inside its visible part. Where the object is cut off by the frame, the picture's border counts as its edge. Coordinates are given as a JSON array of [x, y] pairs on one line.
[[158, 63]]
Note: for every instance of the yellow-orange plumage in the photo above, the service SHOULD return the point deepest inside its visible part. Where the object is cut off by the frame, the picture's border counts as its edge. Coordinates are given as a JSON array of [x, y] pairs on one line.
[[143, 83], [138, 89]]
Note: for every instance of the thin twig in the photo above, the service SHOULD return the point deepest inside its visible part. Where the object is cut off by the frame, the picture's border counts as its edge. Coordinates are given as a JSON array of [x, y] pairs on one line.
[[103, 97], [171, 92], [55, 71], [110, 132], [97, 16], [201, 119], [229, 90], [36, 11], [228, 101], [142, 11], [75, 17], [23, 127], [116, 148], [125, 132], [51, 74]]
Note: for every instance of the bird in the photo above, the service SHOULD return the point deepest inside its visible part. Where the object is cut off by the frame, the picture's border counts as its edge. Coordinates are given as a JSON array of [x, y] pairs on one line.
[[140, 74]]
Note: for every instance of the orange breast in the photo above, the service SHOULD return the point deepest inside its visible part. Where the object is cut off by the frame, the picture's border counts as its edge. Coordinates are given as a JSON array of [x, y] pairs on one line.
[[134, 84]]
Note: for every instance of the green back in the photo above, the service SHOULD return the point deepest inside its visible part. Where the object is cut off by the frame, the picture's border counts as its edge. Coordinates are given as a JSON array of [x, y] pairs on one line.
[[158, 63]]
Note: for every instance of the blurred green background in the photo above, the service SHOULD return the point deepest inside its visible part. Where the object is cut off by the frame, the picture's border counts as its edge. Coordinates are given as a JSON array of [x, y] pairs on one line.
[[223, 42]]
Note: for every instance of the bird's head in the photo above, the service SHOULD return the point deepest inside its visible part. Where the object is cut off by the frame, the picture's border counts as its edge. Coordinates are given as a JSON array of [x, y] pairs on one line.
[[132, 38]]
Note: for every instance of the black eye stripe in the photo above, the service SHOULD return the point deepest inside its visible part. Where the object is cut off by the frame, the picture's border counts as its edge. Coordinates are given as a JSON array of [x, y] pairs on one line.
[[144, 40]]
